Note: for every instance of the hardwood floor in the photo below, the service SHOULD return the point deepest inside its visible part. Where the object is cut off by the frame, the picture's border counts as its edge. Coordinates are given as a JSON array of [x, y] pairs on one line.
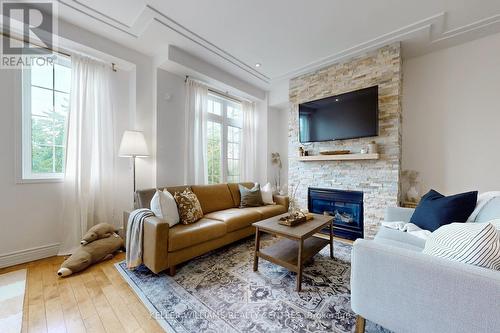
[[95, 300]]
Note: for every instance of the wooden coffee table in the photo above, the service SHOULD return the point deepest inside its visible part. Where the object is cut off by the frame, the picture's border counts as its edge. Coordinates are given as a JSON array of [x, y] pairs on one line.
[[299, 245]]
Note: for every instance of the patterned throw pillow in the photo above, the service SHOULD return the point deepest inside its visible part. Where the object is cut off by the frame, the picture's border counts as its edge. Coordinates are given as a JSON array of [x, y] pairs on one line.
[[189, 206]]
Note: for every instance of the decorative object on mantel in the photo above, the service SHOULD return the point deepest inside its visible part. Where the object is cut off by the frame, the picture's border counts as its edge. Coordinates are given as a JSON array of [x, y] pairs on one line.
[[335, 152], [301, 151], [363, 151], [345, 157], [412, 194], [372, 147]]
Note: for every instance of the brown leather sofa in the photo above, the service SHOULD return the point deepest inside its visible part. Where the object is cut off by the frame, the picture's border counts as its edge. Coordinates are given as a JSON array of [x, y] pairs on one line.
[[223, 223]]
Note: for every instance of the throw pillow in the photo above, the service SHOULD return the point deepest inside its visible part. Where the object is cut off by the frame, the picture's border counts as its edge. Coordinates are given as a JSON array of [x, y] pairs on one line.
[[435, 210], [267, 194], [250, 197], [163, 206], [472, 243], [189, 206]]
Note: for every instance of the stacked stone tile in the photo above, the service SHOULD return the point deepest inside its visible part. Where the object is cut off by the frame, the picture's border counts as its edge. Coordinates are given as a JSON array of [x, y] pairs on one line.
[[378, 179]]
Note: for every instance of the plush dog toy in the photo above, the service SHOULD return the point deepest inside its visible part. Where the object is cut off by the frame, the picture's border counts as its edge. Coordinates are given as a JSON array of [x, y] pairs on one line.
[[92, 252], [101, 230]]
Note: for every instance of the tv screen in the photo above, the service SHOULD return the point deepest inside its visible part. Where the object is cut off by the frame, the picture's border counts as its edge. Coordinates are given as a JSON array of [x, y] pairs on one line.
[[346, 116]]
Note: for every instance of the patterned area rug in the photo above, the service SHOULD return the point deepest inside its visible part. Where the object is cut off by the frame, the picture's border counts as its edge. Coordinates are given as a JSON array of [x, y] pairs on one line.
[[219, 292]]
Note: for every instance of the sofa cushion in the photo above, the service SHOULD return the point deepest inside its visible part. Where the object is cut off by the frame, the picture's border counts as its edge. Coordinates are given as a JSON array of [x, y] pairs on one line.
[[472, 243], [213, 197], [186, 235], [490, 211], [269, 210], [394, 235], [401, 245], [236, 218], [143, 197], [164, 206], [250, 197], [188, 206], [174, 189], [235, 192], [435, 210]]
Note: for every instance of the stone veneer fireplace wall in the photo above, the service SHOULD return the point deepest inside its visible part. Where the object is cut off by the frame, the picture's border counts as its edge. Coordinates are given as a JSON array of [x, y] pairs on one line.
[[379, 180]]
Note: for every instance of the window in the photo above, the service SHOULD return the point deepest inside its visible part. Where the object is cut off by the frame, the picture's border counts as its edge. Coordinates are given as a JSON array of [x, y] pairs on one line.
[[223, 139], [45, 119]]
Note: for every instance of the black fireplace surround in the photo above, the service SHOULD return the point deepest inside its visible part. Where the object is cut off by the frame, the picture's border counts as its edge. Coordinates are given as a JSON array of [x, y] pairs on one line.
[[345, 206]]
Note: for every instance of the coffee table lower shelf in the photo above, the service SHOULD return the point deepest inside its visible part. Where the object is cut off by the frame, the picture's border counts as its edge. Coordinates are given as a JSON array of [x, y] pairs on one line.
[[285, 252]]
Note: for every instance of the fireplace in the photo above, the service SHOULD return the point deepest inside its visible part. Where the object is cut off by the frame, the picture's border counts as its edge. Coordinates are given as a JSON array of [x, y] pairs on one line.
[[345, 206]]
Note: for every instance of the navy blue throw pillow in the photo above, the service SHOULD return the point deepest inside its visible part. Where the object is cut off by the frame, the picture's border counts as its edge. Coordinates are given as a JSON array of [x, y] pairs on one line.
[[435, 210]]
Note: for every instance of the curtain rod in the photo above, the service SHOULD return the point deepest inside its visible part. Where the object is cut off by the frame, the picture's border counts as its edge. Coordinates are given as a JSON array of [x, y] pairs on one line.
[[219, 92], [113, 65], [24, 40]]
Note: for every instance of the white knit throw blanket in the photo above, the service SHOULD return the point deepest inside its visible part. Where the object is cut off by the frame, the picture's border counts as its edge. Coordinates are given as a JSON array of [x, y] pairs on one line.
[[134, 241], [408, 227]]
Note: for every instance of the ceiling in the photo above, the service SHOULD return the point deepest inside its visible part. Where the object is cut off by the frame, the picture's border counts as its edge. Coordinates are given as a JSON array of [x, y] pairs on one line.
[[288, 37]]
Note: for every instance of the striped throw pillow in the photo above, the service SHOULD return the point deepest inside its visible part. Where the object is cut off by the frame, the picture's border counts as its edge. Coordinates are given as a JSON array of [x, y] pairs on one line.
[[472, 243]]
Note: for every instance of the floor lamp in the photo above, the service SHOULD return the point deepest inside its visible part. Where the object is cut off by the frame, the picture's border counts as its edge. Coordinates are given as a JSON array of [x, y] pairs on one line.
[[133, 145]]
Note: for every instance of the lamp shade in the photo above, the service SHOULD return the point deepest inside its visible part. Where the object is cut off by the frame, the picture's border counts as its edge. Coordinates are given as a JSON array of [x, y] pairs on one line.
[[133, 144]]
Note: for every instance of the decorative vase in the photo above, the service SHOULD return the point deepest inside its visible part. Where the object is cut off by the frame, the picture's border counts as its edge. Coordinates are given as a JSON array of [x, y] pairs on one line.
[[412, 194], [372, 148]]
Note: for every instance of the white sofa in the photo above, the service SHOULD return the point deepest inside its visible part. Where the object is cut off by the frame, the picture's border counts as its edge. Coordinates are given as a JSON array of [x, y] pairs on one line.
[[396, 286]]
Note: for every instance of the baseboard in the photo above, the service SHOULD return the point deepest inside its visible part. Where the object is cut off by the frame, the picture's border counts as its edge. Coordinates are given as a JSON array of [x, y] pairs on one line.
[[35, 253]]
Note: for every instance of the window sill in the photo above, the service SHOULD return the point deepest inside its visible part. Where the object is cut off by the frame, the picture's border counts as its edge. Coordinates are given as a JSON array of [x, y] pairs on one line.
[[39, 180]]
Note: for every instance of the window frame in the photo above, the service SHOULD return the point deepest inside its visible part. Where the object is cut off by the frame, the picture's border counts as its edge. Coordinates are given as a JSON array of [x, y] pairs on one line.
[[26, 144], [225, 122]]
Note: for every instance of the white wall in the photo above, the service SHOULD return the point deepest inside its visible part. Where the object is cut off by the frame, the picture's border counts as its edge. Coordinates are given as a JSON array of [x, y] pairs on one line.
[[262, 149], [29, 212], [451, 117], [278, 142], [171, 129]]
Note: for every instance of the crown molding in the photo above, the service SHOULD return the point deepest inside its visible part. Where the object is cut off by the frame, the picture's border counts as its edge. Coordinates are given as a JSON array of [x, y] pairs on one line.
[[149, 15], [423, 36], [401, 34], [196, 38], [472, 27], [98, 16], [433, 28]]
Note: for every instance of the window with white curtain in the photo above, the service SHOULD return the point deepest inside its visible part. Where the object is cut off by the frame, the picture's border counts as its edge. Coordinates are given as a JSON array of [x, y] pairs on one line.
[[45, 109], [224, 125]]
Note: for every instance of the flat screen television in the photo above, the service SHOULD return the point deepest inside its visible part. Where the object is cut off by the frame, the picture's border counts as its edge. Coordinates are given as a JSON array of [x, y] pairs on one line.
[[346, 116]]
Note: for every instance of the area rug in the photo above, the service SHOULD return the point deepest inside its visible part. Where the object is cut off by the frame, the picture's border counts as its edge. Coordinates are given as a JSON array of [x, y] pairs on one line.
[[219, 292], [12, 289]]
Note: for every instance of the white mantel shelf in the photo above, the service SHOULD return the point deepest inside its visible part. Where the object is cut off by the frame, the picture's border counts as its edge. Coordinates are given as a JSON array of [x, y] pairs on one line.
[[346, 157]]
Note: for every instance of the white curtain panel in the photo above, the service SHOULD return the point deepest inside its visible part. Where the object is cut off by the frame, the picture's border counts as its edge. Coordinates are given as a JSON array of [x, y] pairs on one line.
[[90, 157], [196, 133], [248, 143]]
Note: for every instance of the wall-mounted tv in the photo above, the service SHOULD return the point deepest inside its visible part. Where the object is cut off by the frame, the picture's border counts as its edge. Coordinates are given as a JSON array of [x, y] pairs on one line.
[[346, 116]]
